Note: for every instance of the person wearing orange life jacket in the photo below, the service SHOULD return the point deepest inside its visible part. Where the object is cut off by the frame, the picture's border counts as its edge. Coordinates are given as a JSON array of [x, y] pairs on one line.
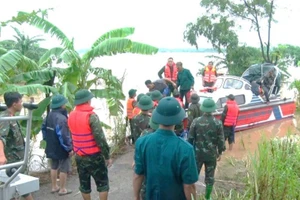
[[229, 118], [170, 72], [131, 103], [90, 146], [209, 75], [136, 109]]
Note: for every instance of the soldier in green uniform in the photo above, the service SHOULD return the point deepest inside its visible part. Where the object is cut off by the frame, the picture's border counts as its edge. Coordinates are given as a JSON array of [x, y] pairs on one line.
[[12, 144], [166, 162], [194, 110], [141, 121], [207, 137], [90, 146]]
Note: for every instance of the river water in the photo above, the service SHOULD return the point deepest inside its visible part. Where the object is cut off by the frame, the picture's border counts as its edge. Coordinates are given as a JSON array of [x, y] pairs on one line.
[[246, 141]]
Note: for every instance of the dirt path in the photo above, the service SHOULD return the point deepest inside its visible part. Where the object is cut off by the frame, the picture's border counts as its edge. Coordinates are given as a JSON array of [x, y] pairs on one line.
[[120, 178]]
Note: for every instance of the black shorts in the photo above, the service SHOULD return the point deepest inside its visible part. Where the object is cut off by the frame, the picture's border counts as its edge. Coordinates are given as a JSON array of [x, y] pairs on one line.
[[64, 165], [92, 166], [229, 134]]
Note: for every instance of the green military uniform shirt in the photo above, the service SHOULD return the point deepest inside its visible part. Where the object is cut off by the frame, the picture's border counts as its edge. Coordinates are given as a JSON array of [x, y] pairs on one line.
[[12, 138], [193, 113], [140, 123], [207, 136], [99, 136], [167, 162]]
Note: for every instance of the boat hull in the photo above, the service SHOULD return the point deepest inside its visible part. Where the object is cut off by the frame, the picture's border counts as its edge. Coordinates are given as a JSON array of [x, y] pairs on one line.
[[251, 116]]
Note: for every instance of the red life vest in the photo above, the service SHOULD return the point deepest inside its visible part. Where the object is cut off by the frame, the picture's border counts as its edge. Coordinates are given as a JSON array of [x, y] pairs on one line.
[[155, 103], [232, 113], [83, 139], [180, 102], [130, 107], [136, 111], [210, 75], [168, 74]]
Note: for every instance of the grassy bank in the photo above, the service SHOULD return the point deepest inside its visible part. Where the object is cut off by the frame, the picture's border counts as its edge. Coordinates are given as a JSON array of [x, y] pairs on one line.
[[271, 173]]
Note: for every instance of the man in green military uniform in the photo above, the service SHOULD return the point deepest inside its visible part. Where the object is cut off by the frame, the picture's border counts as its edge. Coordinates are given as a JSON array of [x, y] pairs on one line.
[[207, 137], [194, 110], [166, 162], [12, 144], [141, 121], [90, 146], [185, 81]]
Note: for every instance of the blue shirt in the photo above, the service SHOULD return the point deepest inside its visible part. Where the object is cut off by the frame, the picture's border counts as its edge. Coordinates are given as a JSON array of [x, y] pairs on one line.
[[167, 162]]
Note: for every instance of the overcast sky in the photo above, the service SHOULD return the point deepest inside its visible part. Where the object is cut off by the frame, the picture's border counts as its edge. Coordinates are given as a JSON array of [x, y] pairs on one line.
[[158, 22]]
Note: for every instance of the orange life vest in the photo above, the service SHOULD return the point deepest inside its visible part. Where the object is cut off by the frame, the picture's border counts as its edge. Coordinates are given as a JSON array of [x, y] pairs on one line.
[[210, 75], [180, 102], [232, 113], [168, 74], [83, 139], [130, 107], [136, 111]]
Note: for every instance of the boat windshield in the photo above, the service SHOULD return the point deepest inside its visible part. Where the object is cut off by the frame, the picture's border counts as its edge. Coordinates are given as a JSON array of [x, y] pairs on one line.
[[218, 83], [232, 83]]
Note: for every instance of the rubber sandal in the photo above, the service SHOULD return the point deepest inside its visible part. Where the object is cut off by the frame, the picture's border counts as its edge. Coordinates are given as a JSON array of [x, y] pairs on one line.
[[55, 191], [65, 193]]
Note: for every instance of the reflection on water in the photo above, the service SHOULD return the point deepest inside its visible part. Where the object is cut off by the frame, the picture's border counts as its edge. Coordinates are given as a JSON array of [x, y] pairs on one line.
[[246, 141]]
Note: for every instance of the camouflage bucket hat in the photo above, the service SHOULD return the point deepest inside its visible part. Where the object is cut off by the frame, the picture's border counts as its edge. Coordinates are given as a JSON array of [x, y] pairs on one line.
[[145, 103], [231, 97], [58, 101], [156, 95], [168, 112], [195, 98], [82, 96], [208, 105], [153, 125]]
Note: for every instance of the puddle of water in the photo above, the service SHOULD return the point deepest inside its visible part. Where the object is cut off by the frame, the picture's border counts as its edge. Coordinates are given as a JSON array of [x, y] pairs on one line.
[[246, 141]]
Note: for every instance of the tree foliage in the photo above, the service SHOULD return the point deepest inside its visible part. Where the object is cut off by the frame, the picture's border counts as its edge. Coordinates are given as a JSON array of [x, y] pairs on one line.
[[78, 72], [219, 25]]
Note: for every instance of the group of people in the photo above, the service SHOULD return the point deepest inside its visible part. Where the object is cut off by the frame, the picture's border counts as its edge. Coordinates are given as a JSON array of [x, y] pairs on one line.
[[174, 77], [78, 133], [167, 165], [171, 145]]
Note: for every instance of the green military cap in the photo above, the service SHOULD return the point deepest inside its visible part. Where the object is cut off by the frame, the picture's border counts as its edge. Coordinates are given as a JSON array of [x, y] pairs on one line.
[[168, 112], [145, 103], [156, 95], [208, 105], [82, 96], [58, 101], [132, 92]]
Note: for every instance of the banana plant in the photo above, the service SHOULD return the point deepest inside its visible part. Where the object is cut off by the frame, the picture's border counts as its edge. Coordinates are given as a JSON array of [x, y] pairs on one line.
[[80, 72]]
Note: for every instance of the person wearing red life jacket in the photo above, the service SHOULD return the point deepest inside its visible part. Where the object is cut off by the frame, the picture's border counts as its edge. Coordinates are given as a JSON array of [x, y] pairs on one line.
[[90, 146], [229, 119], [170, 72], [176, 95], [209, 75]]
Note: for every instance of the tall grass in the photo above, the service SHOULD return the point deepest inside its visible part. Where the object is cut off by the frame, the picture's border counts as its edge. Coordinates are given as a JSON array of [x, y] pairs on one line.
[[274, 170]]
